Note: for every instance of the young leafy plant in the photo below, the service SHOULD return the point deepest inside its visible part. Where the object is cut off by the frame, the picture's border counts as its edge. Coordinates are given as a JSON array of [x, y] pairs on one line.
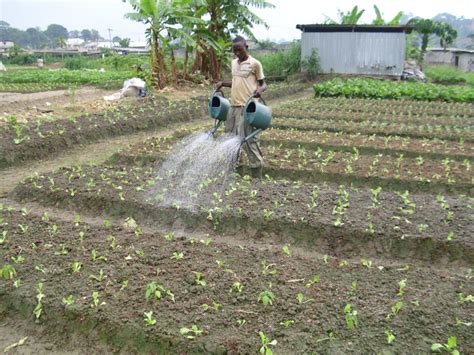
[[449, 347], [266, 343]]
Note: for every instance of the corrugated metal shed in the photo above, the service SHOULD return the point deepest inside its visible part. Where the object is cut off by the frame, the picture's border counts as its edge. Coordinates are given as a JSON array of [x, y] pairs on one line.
[[348, 49]]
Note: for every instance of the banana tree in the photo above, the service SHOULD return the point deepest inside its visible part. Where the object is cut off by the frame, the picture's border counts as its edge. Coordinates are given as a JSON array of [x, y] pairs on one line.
[[379, 20], [446, 34], [224, 19], [166, 20], [349, 18]]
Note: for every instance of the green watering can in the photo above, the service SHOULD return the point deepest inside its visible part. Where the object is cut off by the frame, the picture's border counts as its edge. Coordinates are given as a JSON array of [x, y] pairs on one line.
[[257, 115], [218, 107]]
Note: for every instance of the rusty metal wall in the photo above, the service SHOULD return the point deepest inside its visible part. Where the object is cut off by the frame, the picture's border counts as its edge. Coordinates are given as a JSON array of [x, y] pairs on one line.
[[357, 52]]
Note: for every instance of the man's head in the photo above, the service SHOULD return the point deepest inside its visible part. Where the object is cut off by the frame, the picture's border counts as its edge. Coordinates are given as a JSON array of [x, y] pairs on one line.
[[239, 48]]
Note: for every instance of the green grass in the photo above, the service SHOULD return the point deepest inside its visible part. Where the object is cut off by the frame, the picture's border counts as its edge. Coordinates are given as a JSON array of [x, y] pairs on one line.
[[448, 75]]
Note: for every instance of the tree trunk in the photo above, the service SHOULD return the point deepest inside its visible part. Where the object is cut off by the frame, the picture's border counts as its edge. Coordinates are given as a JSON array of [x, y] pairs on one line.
[[174, 72], [185, 63]]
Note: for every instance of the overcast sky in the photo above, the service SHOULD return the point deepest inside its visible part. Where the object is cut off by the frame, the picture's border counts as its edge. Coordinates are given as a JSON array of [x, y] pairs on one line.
[[104, 14]]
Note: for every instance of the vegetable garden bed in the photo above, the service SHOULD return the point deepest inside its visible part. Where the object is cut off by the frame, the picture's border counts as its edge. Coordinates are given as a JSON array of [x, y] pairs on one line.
[[149, 292]]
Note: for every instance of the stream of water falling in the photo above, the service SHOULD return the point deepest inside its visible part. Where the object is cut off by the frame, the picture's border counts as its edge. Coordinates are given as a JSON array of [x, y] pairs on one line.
[[197, 167]]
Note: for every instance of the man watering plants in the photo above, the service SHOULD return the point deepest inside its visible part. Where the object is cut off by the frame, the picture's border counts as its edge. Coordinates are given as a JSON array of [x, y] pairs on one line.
[[247, 80]]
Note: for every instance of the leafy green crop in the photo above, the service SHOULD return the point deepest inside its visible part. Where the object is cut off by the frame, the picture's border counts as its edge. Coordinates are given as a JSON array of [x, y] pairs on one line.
[[378, 89]]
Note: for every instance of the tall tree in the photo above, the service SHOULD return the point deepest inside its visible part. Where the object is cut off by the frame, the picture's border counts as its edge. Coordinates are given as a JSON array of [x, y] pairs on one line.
[[61, 42], [164, 19], [446, 34], [54, 31], [86, 35], [95, 36], [427, 27]]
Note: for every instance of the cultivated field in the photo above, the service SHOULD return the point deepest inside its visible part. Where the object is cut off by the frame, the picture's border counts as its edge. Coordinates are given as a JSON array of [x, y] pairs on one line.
[[357, 239]]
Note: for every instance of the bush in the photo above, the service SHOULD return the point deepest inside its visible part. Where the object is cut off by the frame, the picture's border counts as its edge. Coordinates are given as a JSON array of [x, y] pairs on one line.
[[75, 63], [312, 65], [281, 62], [21, 59]]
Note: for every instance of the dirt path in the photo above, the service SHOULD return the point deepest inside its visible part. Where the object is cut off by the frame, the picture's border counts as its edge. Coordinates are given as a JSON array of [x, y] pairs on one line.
[[94, 153]]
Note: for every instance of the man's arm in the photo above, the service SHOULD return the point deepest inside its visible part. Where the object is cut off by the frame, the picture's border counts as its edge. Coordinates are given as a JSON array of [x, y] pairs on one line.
[[262, 86], [221, 84]]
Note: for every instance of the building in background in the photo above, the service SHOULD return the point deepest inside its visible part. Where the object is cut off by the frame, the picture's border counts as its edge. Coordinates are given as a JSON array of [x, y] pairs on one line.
[[5, 46], [356, 49], [462, 59]]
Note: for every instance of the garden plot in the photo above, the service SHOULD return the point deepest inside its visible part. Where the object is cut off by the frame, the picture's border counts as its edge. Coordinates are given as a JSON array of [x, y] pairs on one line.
[[338, 221], [149, 292], [312, 163]]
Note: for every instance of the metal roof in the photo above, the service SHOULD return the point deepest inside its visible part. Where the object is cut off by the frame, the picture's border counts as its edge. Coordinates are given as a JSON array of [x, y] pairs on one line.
[[353, 28]]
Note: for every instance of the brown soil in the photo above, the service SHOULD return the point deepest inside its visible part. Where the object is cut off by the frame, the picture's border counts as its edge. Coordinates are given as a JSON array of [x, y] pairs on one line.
[[429, 303], [400, 230], [62, 103]]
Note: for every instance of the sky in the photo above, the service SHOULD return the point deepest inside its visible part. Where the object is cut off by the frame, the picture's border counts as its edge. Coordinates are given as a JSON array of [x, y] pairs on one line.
[[105, 14]]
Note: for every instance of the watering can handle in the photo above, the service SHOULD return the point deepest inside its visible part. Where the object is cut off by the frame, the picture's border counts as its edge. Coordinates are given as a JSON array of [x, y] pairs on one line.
[[215, 91], [259, 98]]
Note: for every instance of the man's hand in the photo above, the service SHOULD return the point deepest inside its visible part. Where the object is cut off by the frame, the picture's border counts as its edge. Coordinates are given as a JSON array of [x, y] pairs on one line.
[[257, 93], [219, 86]]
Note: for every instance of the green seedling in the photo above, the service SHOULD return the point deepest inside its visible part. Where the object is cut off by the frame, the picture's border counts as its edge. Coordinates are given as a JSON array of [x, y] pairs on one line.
[[301, 298], [206, 242], [177, 256], [81, 236], [366, 262], [96, 300], [215, 306], [220, 263], [353, 290], [61, 251], [77, 220], [450, 347], [266, 269], [169, 237], [124, 285], [17, 283], [68, 301], [395, 309], [76, 266], [267, 213], [191, 333], [199, 280], [106, 223], [39, 304], [155, 290], [7, 272], [23, 229], [287, 250], [312, 281], [3, 238], [266, 298], [45, 217], [149, 320], [40, 268], [390, 336], [463, 299], [113, 242], [18, 259], [460, 322], [241, 322], [325, 259], [287, 323], [237, 287], [266, 343], [401, 287], [351, 317], [99, 277], [95, 257]]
